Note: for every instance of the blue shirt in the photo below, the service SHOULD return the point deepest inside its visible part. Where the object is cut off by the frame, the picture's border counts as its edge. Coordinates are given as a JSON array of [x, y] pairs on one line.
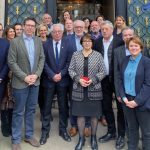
[[130, 74], [78, 45], [29, 43]]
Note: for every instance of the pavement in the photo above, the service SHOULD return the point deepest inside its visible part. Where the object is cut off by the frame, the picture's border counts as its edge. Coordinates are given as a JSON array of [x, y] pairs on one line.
[[55, 142]]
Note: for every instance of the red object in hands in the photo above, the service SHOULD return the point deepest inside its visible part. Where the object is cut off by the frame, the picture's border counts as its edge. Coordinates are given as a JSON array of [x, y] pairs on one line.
[[85, 78]]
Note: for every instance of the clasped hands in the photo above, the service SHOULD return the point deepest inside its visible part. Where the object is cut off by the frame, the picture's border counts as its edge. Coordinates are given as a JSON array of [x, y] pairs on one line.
[[57, 77], [31, 79], [85, 83], [130, 104]]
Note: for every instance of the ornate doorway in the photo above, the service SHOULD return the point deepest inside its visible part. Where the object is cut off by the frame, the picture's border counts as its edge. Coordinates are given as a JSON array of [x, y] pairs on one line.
[[16, 11]]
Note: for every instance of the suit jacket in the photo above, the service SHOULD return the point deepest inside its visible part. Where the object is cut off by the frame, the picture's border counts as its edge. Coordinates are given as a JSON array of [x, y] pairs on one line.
[[50, 67], [119, 56], [4, 46], [96, 72], [72, 43], [18, 61], [98, 46], [142, 82]]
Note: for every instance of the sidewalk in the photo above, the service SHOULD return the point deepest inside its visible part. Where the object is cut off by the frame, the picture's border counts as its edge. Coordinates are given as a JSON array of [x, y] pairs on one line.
[[55, 142]]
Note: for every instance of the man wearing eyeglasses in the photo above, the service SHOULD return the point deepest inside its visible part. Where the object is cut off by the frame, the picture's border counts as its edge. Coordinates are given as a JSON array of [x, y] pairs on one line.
[[26, 61]]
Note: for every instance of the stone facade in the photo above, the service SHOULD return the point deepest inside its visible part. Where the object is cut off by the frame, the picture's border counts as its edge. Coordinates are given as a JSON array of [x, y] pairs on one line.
[[2, 11]]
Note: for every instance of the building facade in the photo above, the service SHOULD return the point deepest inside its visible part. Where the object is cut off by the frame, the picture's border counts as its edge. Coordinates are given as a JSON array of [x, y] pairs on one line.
[[136, 12]]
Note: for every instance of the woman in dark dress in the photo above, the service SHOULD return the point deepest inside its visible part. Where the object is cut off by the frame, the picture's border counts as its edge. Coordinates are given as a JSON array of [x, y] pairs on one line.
[[87, 69], [119, 25]]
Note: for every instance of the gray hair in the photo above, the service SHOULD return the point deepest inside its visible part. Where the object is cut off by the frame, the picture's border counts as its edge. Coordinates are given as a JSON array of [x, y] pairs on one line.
[[109, 23], [59, 25], [78, 21], [127, 28]]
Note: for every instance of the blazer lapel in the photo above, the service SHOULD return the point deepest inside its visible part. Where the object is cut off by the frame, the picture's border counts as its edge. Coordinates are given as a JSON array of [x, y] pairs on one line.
[[61, 51], [51, 52], [35, 52]]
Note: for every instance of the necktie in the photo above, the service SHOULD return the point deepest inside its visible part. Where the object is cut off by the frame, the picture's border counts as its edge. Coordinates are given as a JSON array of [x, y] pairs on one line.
[[56, 54]]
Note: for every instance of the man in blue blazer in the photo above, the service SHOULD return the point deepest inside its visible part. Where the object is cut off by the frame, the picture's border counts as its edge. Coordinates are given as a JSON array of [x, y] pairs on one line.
[[4, 46], [56, 80]]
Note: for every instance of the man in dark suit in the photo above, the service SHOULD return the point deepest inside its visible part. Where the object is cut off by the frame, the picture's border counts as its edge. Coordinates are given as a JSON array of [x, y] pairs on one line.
[[120, 54], [26, 61], [4, 46], [56, 79], [106, 46]]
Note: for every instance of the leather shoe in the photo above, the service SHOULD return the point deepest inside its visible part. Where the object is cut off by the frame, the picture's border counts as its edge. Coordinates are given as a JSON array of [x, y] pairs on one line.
[[94, 145], [33, 142], [120, 142], [16, 147], [65, 136], [107, 137], [80, 143], [73, 131], [43, 139], [87, 132], [103, 121]]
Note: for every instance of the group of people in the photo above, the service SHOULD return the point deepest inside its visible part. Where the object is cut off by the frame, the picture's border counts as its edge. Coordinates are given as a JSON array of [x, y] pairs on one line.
[[87, 64]]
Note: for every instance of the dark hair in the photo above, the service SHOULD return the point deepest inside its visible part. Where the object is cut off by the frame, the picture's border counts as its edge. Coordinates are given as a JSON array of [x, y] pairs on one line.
[[29, 18], [86, 18], [136, 40], [100, 16], [86, 36], [62, 18], [7, 28], [16, 24]]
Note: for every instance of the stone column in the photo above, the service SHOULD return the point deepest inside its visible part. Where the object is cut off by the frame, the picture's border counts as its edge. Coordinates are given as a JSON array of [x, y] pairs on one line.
[[2, 11]]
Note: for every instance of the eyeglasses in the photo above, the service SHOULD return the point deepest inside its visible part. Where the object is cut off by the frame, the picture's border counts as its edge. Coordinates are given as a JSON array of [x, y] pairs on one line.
[[55, 32]]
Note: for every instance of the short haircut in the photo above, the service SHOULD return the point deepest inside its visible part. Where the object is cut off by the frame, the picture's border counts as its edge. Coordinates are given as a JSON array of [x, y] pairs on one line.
[[136, 40], [78, 21], [86, 36], [100, 16], [16, 24], [58, 24], [109, 23], [29, 18], [127, 28]]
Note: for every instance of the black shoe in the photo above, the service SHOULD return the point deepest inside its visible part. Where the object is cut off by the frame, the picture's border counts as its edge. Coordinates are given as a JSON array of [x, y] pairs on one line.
[[94, 145], [80, 143], [120, 142], [65, 136], [43, 139], [107, 138]]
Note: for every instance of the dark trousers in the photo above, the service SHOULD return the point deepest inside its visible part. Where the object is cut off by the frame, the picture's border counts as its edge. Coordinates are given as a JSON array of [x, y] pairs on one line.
[[135, 119], [3, 87], [121, 125], [62, 104], [107, 90]]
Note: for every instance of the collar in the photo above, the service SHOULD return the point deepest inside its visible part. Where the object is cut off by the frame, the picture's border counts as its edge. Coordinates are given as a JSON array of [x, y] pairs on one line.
[[137, 58], [54, 42], [108, 41], [27, 37], [78, 37]]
